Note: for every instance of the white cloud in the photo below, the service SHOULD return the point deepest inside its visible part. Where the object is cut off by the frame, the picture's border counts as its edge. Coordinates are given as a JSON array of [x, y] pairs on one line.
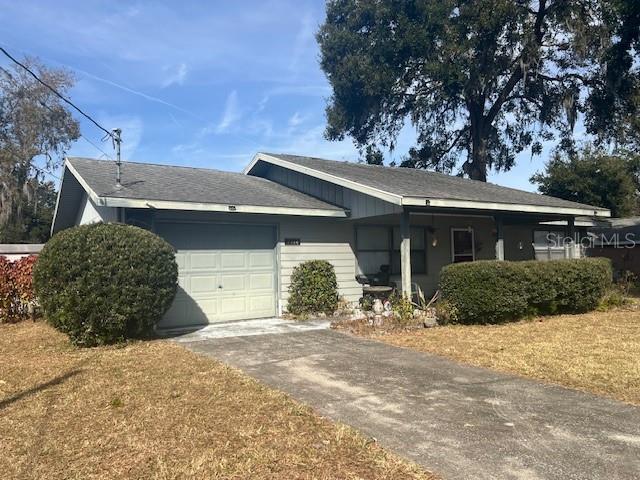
[[175, 75], [303, 42], [93, 144], [132, 128], [312, 142], [296, 119], [136, 92], [231, 113]]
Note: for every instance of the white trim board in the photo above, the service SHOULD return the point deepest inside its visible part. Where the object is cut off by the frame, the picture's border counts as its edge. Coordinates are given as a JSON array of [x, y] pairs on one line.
[[406, 200], [507, 207], [216, 207]]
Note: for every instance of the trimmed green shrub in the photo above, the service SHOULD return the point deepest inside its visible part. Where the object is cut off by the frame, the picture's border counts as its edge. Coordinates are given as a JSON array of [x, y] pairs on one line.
[[103, 283], [497, 291], [313, 288]]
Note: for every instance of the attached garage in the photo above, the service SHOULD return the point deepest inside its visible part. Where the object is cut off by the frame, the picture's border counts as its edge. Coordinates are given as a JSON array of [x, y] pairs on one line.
[[226, 272]]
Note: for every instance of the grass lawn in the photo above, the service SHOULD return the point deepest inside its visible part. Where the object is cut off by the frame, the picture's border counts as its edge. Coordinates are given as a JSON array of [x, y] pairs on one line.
[[153, 410], [597, 352]]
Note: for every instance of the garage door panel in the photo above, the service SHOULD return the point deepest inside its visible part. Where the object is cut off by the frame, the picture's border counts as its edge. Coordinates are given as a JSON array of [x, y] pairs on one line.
[[238, 258], [183, 282], [206, 284], [182, 313], [262, 303], [261, 260], [207, 307], [233, 305], [181, 260], [233, 283], [261, 281], [204, 261], [233, 261]]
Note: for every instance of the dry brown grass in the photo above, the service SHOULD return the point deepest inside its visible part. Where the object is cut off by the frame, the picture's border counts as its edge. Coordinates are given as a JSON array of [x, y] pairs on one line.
[[597, 352], [153, 410]]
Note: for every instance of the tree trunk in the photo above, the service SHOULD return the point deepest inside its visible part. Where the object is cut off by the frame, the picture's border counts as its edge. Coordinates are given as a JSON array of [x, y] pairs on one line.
[[476, 165], [477, 169]]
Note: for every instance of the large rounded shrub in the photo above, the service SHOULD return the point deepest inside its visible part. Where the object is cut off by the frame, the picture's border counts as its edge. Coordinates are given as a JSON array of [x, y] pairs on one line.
[[493, 291], [313, 288], [103, 283]]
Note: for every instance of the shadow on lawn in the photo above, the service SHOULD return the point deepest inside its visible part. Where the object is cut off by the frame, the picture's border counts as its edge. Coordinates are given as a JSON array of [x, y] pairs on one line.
[[38, 388]]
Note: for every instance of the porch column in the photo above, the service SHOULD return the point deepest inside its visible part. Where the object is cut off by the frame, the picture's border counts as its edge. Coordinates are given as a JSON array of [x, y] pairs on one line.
[[499, 238], [569, 248], [405, 253]]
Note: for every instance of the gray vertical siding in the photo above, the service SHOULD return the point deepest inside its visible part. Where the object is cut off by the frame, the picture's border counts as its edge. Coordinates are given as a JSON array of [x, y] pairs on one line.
[[359, 204]]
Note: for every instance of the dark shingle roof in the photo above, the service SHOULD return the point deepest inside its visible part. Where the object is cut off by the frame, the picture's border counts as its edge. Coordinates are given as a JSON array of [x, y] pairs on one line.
[[409, 182], [185, 184]]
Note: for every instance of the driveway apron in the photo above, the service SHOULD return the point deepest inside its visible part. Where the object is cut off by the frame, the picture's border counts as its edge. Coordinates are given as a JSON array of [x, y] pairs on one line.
[[459, 421]]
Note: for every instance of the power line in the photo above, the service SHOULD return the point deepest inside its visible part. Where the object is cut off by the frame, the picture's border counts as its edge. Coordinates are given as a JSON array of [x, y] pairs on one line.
[[115, 134], [44, 105], [96, 147], [45, 172], [55, 92]]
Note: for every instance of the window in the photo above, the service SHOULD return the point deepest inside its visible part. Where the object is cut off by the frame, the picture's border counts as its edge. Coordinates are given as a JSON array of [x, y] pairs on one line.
[[462, 245], [548, 238], [379, 245]]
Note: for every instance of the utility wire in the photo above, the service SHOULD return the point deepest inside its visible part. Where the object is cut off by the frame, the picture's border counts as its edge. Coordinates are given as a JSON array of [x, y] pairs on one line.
[[96, 147], [62, 97], [45, 172], [44, 105]]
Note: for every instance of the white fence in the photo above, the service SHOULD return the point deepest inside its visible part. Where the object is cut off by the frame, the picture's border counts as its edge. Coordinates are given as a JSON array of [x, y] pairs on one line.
[[15, 251]]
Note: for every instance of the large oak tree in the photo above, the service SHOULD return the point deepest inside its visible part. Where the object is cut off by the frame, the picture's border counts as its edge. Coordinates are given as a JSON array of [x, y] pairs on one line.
[[480, 80]]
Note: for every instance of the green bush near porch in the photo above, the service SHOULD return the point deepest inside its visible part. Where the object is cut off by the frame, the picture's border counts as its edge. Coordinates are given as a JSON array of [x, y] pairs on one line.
[[313, 289], [499, 291]]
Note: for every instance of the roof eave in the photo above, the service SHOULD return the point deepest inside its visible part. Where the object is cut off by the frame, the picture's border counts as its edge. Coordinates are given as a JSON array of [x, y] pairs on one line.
[[217, 207], [504, 207]]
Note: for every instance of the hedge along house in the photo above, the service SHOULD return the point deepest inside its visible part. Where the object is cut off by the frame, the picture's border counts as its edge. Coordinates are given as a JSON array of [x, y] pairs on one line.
[[238, 236]]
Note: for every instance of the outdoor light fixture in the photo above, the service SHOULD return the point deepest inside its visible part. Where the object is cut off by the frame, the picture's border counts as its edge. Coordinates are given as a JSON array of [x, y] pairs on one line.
[[520, 247], [432, 231]]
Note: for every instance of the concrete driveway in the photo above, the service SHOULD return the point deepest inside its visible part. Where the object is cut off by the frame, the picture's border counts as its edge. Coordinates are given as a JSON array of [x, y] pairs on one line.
[[459, 421]]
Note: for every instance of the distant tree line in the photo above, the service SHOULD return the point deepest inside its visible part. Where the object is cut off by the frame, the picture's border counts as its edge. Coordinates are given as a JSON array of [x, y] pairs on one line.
[[36, 128]]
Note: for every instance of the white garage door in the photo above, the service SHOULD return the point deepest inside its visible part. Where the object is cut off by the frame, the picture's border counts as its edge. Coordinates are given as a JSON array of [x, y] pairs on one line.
[[225, 272]]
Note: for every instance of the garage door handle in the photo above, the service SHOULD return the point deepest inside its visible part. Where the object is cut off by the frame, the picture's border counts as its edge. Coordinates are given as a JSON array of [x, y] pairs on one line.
[[219, 286]]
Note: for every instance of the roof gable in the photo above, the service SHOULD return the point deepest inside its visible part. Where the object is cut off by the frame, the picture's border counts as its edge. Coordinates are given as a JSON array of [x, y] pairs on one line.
[[405, 186]]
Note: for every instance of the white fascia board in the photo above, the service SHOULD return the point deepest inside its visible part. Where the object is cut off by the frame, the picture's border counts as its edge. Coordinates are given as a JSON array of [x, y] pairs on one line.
[[509, 207], [92, 195], [216, 207], [83, 184], [577, 223], [343, 182], [55, 210]]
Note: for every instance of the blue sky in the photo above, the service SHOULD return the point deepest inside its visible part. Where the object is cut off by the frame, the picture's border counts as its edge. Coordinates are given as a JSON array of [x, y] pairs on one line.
[[195, 83]]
